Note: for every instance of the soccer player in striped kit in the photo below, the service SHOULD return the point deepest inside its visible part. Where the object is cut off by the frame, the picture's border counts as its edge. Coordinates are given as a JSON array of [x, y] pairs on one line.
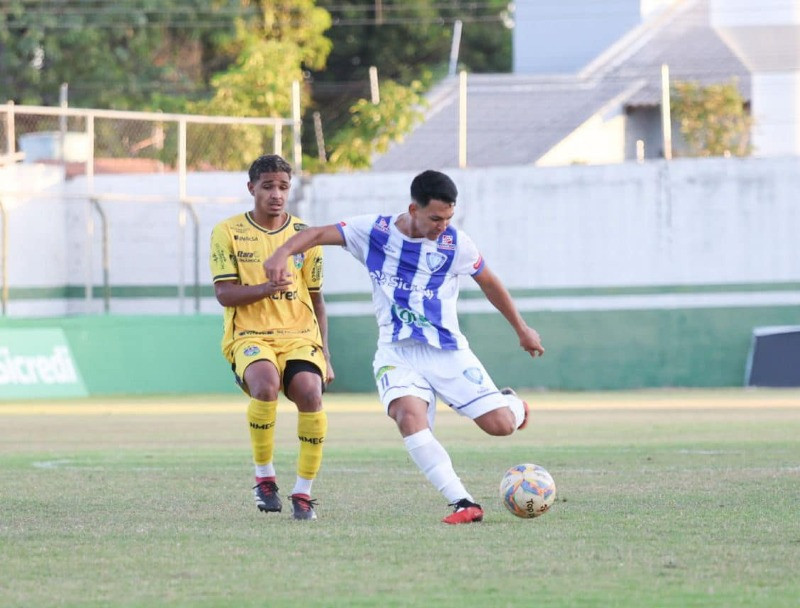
[[414, 260], [275, 332]]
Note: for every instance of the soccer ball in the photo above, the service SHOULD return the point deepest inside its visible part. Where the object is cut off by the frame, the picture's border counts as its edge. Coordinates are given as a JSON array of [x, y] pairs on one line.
[[527, 490]]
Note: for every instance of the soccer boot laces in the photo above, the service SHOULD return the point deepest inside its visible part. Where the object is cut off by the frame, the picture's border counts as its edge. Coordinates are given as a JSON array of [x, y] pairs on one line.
[[464, 512], [266, 496], [303, 507]]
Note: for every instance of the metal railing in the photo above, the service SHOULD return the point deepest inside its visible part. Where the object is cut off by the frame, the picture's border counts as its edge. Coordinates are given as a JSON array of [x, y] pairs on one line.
[[152, 131]]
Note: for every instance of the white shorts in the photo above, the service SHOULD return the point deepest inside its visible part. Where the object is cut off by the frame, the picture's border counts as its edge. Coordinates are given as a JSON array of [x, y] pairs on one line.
[[457, 377]]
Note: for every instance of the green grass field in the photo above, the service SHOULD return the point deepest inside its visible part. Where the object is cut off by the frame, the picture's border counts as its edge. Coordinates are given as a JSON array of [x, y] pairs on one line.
[[665, 498]]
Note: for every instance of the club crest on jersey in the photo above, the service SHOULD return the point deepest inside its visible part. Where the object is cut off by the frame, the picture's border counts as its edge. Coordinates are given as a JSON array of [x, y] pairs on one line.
[[382, 225], [251, 351], [435, 260], [446, 242], [473, 374], [298, 258]]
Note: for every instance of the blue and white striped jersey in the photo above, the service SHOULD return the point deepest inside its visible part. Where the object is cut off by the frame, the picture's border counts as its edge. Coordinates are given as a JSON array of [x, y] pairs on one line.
[[414, 281]]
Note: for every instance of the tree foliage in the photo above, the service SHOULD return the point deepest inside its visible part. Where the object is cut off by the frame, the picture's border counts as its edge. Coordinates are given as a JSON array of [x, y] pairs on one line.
[[713, 119], [405, 41], [375, 126], [240, 57], [272, 49], [118, 56]]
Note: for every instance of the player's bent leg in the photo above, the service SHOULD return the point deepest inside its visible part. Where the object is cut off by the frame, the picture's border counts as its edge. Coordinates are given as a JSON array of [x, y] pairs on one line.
[[499, 422], [504, 420], [521, 417]]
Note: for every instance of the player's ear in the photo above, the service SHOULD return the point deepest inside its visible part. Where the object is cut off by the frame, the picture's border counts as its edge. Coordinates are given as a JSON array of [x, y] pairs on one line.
[[251, 188]]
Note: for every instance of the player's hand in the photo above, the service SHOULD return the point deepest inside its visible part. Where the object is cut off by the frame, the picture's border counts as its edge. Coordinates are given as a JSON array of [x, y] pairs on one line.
[[282, 284], [275, 268], [530, 342], [329, 376]]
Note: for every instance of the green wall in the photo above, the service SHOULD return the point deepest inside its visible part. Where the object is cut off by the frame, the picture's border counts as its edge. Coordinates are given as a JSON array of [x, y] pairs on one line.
[[144, 354], [705, 347], [591, 350]]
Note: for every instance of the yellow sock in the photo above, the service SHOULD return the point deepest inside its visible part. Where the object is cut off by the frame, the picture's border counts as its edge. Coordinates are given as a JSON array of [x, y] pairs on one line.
[[261, 415], [311, 429]]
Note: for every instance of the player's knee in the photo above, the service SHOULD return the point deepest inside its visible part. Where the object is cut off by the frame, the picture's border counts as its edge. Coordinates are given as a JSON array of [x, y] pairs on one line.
[[307, 398], [264, 392], [504, 428], [499, 422]]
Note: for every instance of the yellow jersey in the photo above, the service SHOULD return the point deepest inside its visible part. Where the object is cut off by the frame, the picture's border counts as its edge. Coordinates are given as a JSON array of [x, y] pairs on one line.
[[239, 247]]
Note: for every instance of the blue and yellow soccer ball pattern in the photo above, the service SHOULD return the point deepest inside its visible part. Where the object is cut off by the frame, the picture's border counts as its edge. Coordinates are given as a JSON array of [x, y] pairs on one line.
[[527, 490]]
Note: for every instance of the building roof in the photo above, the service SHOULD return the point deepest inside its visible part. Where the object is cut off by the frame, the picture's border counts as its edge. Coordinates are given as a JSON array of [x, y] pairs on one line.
[[515, 119]]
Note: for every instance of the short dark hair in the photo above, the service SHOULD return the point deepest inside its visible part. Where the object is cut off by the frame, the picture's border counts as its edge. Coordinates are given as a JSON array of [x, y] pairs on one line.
[[268, 163], [430, 185]]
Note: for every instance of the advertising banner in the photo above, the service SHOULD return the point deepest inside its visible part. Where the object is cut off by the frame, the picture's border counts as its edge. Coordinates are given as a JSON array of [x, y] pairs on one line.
[[36, 363]]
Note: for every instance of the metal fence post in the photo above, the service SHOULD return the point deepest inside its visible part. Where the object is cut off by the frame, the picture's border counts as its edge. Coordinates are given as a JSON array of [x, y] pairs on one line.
[[296, 127], [192, 213], [462, 119], [106, 256], [4, 257], [11, 140]]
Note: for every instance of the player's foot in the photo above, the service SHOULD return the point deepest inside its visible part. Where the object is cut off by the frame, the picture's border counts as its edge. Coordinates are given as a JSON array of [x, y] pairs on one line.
[[266, 496], [303, 507], [524, 423], [464, 512]]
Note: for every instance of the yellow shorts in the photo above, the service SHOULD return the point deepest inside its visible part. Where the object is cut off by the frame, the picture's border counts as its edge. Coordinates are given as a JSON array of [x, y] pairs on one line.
[[279, 352]]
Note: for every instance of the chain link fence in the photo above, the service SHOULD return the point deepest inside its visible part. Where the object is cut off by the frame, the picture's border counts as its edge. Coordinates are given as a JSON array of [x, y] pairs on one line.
[[113, 162], [108, 141]]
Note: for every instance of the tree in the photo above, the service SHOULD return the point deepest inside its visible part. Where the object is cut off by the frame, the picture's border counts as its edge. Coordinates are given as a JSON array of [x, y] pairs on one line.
[[118, 56], [405, 41], [273, 49], [713, 119], [375, 126]]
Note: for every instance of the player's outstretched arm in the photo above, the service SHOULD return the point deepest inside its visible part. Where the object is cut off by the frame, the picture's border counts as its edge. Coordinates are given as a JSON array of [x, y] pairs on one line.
[[275, 266], [232, 293], [498, 295]]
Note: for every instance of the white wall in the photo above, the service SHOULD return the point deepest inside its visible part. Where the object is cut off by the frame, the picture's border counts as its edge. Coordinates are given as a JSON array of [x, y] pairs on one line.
[[656, 223], [687, 222]]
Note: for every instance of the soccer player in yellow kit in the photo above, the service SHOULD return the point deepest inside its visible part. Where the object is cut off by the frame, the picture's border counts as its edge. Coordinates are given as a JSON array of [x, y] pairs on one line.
[[275, 332]]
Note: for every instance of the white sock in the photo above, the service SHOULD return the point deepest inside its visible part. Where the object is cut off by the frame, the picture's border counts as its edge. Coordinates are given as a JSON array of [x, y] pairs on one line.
[[516, 407], [302, 486], [432, 459], [265, 470]]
